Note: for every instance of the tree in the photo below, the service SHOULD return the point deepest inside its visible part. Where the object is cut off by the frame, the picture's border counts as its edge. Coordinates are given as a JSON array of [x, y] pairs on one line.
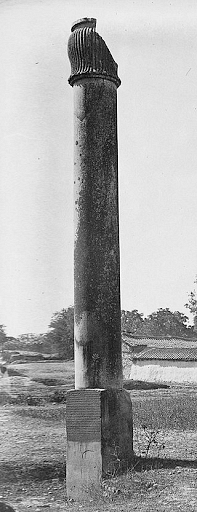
[[31, 342], [61, 334], [192, 305], [164, 322], [132, 321], [3, 337]]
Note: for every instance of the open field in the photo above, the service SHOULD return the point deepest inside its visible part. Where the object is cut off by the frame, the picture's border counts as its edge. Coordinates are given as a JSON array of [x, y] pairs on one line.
[[41, 378], [32, 455]]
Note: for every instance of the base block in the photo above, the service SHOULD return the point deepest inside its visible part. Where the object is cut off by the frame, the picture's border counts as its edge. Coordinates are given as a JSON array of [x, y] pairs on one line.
[[99, 426]]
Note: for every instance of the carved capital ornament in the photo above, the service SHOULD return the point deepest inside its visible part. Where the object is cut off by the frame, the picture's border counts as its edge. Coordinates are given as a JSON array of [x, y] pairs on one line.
[[89, 55]]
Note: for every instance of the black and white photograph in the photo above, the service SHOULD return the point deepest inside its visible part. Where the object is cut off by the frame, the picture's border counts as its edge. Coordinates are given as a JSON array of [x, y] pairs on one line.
[[98, 255]]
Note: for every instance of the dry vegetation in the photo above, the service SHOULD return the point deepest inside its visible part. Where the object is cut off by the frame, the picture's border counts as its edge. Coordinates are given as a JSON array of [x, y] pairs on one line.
[[32, 458]]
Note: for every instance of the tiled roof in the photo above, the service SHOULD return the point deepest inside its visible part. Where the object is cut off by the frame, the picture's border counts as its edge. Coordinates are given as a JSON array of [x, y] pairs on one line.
[[162, 337], [168, 354], [159, 342]]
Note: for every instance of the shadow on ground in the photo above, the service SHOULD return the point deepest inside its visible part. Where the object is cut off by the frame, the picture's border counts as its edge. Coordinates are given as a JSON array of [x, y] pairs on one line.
[[149, 463], [47, 471]]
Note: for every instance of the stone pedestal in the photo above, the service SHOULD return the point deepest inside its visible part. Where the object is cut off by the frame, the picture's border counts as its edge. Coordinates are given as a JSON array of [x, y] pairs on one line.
[[99, 438]]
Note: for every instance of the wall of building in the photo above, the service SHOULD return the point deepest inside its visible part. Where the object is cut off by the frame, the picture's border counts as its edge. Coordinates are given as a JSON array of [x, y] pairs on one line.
[[164, 371], [127, 354]]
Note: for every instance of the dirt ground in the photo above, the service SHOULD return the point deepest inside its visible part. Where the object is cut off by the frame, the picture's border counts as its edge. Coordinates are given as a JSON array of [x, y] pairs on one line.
[[32, 470], [33, 456], [163, 492]]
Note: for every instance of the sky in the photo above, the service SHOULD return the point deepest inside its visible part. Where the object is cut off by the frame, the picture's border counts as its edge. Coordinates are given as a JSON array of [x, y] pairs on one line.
[[155, 46]]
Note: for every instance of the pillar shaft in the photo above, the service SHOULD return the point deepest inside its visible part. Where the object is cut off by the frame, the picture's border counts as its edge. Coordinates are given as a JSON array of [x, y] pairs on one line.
[[97, 328], [96, 250]]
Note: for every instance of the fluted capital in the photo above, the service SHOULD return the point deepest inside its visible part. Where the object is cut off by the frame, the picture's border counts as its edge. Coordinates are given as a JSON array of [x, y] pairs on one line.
[[89, 55]]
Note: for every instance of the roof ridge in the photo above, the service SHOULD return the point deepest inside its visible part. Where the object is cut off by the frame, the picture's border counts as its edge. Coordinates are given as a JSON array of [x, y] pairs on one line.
[[162, 337]]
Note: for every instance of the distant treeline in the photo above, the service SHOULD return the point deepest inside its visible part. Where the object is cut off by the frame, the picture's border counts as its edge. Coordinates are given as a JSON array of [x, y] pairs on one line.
[[59, 339]]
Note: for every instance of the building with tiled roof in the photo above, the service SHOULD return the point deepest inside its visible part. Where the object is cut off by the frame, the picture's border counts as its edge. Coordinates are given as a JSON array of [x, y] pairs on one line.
[[167, 354], [156, 341], [160, 359]]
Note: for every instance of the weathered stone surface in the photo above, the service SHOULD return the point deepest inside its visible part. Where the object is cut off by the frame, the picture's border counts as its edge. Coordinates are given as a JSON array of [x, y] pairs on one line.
[[99, 438], [89, 54], [99, 412], [96, 252], [117, 431]]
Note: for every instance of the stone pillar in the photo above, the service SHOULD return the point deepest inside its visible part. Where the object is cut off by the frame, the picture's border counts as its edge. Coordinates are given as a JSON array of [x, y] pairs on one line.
[[99, 414], [96, 252]]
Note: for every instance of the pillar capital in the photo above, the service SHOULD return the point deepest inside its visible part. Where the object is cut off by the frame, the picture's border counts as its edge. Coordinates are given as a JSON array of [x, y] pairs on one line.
[[89, 55]]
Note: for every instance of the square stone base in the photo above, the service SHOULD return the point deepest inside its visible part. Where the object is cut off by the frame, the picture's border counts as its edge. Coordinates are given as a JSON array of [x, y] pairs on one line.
[[99, 428]]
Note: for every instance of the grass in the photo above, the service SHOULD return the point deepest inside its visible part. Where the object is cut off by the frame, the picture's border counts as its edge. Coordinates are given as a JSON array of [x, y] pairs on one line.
[[175, 411], [61, 371], [158, 409], [167, 415], [33, 446]]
